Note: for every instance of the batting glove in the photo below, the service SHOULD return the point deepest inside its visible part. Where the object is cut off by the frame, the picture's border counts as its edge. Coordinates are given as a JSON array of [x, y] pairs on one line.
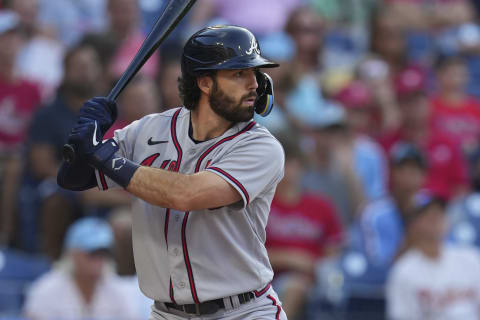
[[85, 136], [101, 155], [102, 110]]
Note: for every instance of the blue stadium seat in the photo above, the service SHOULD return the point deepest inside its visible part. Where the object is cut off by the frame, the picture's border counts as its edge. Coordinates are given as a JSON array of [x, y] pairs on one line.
[[17, 271], [465, 221]]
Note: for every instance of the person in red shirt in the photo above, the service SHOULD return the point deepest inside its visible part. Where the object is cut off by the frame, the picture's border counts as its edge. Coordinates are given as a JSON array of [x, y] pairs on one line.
[[447, 170], [301, 230], [137, 100], [18, 101], [18, 98], [454, 112]]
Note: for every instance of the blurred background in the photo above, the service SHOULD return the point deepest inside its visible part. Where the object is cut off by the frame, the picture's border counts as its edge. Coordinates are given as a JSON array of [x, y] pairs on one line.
[[377, 105]]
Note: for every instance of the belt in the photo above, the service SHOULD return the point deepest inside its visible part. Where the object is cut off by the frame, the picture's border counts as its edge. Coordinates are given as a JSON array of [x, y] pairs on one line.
[[207, 307]]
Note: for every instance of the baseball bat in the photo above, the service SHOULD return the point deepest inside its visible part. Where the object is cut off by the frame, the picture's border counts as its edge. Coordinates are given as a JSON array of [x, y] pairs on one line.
[[174, 11]]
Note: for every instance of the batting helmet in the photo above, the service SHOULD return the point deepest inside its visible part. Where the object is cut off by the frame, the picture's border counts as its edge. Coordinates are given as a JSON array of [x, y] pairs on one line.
[[229, 47]]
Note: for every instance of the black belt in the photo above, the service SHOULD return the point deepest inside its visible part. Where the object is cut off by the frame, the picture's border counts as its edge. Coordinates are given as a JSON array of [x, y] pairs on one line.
[[207, 307]]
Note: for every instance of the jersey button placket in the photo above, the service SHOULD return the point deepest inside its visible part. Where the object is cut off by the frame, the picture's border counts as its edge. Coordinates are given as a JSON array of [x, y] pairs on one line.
[[175, 252]]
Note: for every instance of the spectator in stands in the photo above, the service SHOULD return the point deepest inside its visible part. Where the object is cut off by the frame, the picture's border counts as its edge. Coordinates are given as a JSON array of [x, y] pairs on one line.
[[348, 31], [252, 14], [431, 280], [45, 210], [19, 99], [454, 111], [120, 220], [125, 29], [331, 171], [425, 14], [167, 78], [387, 60], [70, 20], [84, 285], [300, 77], [302, 230], [40, 59], [370, 163], [464, 212], [382, 221], [138, 99], [458, 34], [447, 170]]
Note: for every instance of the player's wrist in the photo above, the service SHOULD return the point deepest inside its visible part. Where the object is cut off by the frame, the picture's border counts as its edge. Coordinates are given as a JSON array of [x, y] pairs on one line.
[[119, 169]]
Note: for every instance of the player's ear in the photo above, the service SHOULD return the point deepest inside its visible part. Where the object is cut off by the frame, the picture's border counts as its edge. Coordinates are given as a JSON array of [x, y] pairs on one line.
[[205, 84]]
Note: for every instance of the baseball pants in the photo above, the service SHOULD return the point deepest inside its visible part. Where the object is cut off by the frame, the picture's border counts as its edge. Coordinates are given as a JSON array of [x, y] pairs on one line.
[[265, 307]]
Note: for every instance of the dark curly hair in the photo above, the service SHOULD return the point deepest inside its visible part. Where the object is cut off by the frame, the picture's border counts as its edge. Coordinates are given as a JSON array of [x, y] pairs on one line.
[[189, 90]]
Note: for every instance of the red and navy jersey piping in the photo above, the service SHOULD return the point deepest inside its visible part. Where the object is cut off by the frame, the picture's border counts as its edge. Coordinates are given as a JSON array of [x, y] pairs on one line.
[[235, 181], [247, 128], [185, 218], [274, 302], [173, 130], [262, 291], [103, 181]]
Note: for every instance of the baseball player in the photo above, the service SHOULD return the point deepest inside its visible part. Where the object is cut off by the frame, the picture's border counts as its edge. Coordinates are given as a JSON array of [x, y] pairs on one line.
[[204, 175]]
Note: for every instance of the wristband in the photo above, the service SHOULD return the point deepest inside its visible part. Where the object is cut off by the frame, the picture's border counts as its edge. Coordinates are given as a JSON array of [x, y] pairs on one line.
[[119, 169]]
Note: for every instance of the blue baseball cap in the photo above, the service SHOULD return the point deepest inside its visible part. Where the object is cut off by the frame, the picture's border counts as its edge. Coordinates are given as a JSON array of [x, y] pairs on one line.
[[330, 115], [403, 152], [89, 234]]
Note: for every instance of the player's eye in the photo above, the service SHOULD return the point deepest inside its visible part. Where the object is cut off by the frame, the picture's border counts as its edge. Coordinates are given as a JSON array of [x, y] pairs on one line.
[[238, 74]]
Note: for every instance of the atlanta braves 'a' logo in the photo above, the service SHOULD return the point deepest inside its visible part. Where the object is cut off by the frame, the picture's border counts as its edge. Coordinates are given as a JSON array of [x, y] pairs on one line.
[[253, 47]]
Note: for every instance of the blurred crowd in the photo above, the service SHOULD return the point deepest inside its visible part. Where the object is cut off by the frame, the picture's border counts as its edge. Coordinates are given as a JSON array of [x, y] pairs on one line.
[[377, 105]]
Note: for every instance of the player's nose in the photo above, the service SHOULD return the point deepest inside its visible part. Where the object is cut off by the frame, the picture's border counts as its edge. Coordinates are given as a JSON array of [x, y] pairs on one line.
[[252, 83]]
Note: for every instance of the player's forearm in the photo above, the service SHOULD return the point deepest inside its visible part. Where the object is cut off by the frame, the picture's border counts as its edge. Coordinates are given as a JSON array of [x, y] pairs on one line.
[[108, 198], [184, 192], [161, 187]]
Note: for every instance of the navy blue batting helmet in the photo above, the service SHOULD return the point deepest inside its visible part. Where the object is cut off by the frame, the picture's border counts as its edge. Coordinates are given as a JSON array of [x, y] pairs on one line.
[[229, 47], [222, 47]]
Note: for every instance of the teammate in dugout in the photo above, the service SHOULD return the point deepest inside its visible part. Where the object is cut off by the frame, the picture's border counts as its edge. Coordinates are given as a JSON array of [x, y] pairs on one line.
[[204, 175]]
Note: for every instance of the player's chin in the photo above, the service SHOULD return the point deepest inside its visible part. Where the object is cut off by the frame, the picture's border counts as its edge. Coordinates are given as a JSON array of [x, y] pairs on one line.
[[241, 114], [249, 113]]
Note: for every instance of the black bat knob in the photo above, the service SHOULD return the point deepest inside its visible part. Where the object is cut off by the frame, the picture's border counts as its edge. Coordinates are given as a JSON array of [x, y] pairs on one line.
[[68, 153]]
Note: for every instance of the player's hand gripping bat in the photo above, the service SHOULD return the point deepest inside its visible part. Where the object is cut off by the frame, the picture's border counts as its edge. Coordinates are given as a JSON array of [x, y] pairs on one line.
[[171, 16]]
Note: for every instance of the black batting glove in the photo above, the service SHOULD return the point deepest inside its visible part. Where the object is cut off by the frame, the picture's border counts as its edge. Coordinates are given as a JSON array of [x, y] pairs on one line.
[[85, 137], [102, 110]]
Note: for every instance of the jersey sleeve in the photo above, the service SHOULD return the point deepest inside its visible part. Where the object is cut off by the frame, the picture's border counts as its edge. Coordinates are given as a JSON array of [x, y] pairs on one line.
[[251, 166], [125, 138]]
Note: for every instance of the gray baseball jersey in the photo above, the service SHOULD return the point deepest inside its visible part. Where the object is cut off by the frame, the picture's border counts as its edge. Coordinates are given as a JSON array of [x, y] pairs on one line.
[[191, 257]]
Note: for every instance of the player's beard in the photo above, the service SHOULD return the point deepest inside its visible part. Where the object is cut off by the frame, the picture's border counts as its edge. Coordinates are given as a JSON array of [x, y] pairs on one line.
[[225, 106]]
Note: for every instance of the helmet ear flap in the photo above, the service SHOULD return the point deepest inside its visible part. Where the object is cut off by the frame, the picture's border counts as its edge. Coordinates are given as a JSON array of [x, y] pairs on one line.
[[265, 97]]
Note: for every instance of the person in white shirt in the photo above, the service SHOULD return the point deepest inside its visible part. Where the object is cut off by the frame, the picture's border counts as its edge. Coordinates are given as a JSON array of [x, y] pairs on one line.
[[432, 280], [83, 284]]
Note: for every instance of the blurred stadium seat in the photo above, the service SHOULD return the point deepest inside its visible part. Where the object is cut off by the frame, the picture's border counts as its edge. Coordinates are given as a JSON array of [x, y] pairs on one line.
[[465, 221], [349, 287], [17, 271]]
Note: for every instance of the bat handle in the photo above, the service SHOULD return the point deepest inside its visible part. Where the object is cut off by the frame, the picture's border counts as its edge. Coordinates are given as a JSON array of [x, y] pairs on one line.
[[114, 93]]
